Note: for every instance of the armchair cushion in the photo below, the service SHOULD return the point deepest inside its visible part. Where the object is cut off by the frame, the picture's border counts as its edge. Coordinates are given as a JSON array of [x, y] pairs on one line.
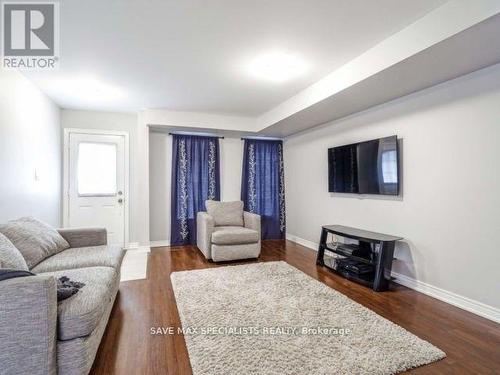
[[34, 239], [226, 213], [228, 235], [224, 253]]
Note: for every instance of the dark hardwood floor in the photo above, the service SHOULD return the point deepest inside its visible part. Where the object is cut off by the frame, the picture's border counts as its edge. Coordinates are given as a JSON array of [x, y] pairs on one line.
[[472, 343]]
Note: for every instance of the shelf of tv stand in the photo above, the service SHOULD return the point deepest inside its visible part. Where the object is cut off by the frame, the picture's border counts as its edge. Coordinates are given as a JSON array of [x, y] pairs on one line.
[[381, 255], [339, 251], [366, 280]]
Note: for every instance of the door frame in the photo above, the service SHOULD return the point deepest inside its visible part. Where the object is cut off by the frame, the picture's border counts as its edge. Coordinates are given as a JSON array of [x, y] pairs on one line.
[[66, 174]]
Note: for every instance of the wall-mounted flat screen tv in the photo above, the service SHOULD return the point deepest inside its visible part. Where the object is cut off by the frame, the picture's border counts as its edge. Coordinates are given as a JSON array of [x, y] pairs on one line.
[[370, 167]]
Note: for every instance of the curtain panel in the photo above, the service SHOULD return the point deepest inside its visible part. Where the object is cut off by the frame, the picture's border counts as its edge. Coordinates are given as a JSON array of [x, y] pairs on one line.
[[195, 178], [263, 185]]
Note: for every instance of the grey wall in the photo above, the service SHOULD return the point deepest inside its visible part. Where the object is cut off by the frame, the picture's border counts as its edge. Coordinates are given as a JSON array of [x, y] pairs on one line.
[[30, 142], [113, 121], [160, 167], [449, 212]]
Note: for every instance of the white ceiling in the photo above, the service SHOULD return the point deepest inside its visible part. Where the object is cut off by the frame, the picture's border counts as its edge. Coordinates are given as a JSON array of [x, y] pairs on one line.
[[190, 55]]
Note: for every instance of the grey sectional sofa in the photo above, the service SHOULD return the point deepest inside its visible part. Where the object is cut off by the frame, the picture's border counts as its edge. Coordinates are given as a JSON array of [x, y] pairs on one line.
[[38, 335]]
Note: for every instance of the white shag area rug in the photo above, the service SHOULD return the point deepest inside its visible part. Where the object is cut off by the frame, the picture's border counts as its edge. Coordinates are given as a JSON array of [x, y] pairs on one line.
[[270, 318]]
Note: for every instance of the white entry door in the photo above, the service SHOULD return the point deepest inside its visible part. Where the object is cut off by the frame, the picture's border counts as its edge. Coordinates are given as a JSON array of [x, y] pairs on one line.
[[96, 183]]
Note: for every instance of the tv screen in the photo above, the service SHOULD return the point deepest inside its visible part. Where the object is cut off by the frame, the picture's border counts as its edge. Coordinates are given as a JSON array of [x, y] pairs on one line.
[[365, 168]]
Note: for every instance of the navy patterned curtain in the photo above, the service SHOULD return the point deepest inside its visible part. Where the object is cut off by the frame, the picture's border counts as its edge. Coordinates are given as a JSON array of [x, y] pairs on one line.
[[195, 178], [263, 185]]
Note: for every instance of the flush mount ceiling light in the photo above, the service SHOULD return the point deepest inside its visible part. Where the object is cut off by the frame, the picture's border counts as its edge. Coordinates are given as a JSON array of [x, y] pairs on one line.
[[277, 66]]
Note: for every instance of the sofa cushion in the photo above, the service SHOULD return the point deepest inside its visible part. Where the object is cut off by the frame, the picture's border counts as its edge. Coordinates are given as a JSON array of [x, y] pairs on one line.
[[229, 235], [80, 314], [77, 356], [34, 239], [10, 257], [226, 213], [79, 257]]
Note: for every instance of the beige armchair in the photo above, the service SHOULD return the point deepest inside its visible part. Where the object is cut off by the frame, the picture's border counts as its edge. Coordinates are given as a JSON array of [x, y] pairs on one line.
[[225, 232]]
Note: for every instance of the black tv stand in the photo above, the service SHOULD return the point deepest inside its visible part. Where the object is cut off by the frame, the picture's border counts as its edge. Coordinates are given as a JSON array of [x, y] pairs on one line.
[[374, 249]]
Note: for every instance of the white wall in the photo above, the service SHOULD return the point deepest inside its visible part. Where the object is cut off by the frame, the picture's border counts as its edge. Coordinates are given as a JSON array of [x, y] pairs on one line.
[[114, 121], [449, 212], [231, 164], [160, 169], [30, 140]]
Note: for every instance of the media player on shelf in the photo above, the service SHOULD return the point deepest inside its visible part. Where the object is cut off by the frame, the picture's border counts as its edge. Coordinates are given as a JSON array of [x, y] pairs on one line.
[[355, 266]]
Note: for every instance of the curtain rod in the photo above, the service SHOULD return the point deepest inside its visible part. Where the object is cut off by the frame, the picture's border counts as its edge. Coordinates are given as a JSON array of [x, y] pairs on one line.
[[262, 138], [198, 135]]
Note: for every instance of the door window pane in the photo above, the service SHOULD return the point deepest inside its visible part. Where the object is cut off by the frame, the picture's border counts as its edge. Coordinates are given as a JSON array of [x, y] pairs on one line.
[[96, 170]]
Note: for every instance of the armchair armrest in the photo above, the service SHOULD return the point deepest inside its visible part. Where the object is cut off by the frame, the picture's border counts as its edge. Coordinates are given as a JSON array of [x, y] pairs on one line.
[[252, 221], [83, 237], [204, 227], [28, 325]]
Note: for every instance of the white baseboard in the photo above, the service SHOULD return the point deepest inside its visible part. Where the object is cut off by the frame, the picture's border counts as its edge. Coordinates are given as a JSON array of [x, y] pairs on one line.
[[464, 303], [303, 242], [159, 243], [475, 307]]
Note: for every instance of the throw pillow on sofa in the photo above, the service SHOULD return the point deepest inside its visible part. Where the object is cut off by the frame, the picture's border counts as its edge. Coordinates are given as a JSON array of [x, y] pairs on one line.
[[10, 257], [34, 239]]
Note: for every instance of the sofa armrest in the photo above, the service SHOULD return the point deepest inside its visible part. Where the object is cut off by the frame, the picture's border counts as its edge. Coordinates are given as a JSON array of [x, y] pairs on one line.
[[252, 221], [83, 237], [28, 325], [204, 228]]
